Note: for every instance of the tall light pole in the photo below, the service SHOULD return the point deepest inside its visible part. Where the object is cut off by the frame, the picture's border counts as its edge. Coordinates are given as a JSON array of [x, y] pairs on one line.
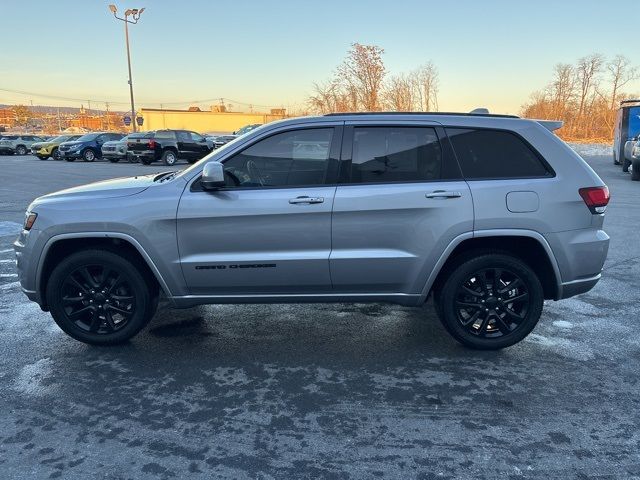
[[135, 16]]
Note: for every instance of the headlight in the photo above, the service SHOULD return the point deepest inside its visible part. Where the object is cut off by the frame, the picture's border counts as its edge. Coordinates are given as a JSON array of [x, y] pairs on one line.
[[29, 220], [74, 147]]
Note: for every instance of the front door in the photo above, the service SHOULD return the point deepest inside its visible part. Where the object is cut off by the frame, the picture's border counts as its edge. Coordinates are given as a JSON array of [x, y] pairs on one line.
[[400, 203], [269, 230]]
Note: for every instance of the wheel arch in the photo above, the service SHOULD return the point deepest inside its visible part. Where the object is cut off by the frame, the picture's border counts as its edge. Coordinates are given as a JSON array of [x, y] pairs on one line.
[[528, 245], [62, 245]]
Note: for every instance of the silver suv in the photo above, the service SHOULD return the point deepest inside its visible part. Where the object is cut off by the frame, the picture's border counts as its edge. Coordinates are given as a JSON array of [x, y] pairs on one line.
[[488, 214], [18, 144]]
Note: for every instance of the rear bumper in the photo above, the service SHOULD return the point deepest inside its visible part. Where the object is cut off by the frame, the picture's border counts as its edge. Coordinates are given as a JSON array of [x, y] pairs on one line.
[[580, 255]]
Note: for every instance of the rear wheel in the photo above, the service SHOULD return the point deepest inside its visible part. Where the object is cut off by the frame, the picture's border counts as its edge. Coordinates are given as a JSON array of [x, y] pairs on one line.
[[100, 297], [21, 150], [491, 301], [635, 170], [169, 157], [88, 155]]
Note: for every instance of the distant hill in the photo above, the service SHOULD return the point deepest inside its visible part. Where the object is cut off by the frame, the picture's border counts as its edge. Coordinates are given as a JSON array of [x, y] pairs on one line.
[[63, 110]]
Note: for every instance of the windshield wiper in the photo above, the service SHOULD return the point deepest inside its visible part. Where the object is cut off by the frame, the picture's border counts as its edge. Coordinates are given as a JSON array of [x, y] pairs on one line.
[[166, 175]]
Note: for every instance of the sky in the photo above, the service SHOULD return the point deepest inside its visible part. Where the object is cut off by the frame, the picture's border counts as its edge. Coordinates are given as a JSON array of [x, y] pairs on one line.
[[269, 53]]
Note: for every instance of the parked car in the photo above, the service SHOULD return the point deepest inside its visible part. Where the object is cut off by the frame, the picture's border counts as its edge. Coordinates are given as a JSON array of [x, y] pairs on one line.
[[490, 215], [49, 148], [115, 150], [247, 129], [88, 147], [168, 146], [221, 140], [18, 144]]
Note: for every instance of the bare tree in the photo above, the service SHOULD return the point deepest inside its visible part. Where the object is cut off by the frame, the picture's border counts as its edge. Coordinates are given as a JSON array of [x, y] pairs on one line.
[[621, 72], [399, 93], [426, 80], [587, 71], [363, 72]]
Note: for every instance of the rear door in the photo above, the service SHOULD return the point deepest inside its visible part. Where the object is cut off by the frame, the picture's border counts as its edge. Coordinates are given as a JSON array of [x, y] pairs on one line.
[[400, 202]]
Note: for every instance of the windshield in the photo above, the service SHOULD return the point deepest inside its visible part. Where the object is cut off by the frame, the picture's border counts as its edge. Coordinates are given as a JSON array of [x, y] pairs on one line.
[[88, 137]]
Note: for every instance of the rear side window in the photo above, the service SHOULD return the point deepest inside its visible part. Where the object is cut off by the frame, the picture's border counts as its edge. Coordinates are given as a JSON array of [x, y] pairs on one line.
[[494, 154], [165, 134], [394, 154]]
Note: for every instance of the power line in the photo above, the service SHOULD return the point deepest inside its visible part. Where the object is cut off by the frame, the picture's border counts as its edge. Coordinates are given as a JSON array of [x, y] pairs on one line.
[[163, 103]]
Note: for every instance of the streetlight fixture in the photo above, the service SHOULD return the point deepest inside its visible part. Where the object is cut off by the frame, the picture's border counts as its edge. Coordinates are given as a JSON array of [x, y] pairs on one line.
[[135, 16]]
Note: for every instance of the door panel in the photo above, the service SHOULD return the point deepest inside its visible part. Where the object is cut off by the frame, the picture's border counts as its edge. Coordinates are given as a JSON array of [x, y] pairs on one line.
[[256, 241], [388, 238]]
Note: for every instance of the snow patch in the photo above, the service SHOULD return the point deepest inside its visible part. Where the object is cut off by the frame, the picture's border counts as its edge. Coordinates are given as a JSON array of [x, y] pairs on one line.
[[562, 346], [592, 149], [32, 379], [562, 324]]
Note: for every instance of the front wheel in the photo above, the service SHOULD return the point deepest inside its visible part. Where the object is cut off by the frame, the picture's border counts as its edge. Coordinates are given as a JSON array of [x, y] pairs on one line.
[[88, 155], [100, 297], [21, 150], [491, 301], [55, 154]]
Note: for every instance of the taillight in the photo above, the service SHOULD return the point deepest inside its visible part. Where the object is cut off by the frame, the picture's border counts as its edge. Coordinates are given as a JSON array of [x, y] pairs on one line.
[[152, 144], [596, 198]]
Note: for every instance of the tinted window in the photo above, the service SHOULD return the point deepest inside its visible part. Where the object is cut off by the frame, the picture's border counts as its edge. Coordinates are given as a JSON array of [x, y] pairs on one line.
[[394, 154], [165, 134], [494, 154], [299, 157]]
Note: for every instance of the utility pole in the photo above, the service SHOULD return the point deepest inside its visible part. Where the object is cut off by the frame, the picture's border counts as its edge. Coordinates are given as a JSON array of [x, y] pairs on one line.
[[107, 108], [59, 122], [135, 15]]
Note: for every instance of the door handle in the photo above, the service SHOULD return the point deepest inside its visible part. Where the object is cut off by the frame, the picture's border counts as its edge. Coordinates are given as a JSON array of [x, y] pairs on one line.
[[443, 194], [306, 200]]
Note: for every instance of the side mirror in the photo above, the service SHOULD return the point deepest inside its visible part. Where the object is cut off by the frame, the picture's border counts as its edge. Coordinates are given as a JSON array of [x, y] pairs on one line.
[[212, 176]]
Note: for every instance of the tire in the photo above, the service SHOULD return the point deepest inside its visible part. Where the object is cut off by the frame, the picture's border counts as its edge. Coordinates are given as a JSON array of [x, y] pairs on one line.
[[489, 321], [625, 165], [114, 159], [169, 157], [91, 306], [21, 150], [635, 170], [89, 155], [55, 154]]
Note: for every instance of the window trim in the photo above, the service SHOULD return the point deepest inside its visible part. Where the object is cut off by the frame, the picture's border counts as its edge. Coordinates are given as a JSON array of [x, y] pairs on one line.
[[331, 175], [346, 154], [551, 173]]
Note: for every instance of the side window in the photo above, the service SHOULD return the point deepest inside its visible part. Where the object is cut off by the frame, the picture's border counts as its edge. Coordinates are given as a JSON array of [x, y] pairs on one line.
[[394, 154], [196, 137], [183, 136], [165, 135], [494, 154], [294, 158]]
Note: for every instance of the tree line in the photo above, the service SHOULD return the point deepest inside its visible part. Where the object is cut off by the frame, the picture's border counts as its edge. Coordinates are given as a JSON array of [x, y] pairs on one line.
[[361, 83], [585, 95]]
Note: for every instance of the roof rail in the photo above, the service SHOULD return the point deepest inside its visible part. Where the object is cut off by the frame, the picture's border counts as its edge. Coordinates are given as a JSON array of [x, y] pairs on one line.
[[472, 114]]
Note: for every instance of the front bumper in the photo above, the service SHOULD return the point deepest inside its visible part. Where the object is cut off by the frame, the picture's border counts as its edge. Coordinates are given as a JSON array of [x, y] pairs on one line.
[[26, 262], [70, 154]]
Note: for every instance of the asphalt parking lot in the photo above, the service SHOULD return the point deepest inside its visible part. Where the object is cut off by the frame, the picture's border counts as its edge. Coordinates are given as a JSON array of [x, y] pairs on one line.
[[320, 391]]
